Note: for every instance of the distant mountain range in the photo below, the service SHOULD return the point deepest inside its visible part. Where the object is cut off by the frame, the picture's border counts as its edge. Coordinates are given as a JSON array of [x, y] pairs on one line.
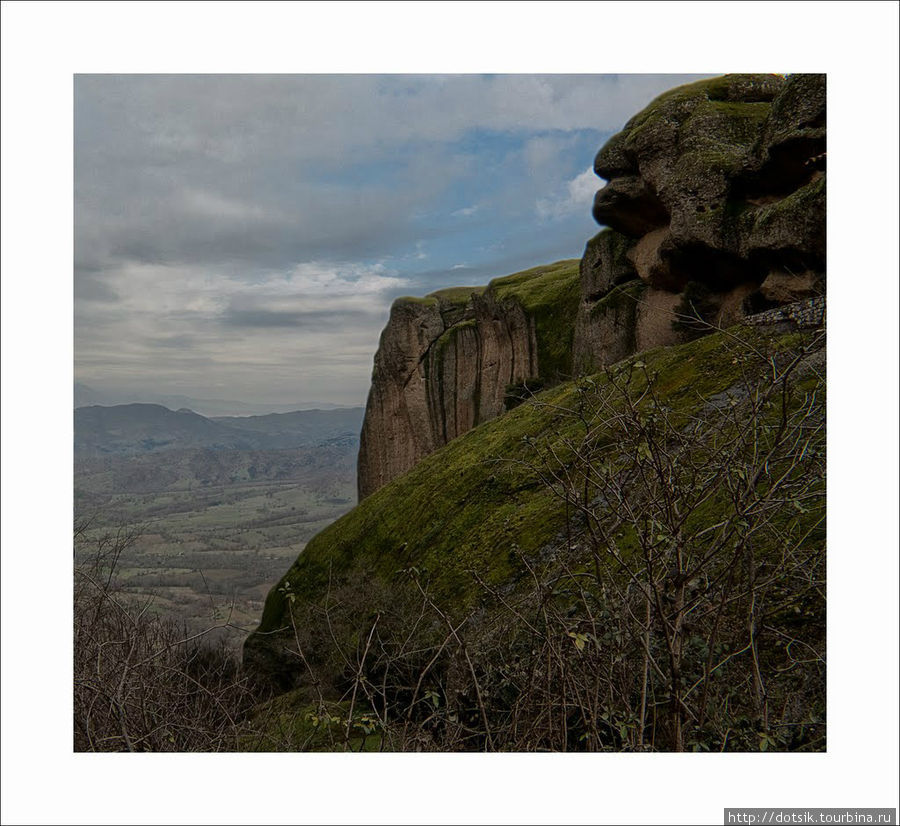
[[86, 396], [133, 429]]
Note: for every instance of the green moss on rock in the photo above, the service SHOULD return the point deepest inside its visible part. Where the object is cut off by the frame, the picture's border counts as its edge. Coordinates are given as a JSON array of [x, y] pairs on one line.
[[622, 302], [416, 301], [456, 295], [549, 295]]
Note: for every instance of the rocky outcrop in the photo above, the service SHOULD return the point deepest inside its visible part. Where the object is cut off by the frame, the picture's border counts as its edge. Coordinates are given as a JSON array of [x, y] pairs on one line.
[[456, 358], [714, 208], [715, 205]]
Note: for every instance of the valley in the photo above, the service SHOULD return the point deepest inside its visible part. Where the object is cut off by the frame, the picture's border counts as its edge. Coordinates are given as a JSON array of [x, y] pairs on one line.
[[208, 531]]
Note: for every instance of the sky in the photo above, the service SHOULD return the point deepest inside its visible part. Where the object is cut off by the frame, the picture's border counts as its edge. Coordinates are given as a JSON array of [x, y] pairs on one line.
[[243, 236]]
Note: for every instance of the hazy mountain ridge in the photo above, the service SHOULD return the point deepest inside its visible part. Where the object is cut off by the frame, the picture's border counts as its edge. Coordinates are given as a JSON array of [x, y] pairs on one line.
[[217, 511], [135, 429], [85, 396]]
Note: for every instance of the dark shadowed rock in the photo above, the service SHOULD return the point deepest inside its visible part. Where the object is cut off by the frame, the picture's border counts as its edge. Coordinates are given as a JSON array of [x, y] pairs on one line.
[[628, 205], [792, 143], [782, 287], [605, 263]]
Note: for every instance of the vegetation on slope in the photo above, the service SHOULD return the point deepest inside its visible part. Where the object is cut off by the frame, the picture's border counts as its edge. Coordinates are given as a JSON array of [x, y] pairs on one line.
[[634, 495]]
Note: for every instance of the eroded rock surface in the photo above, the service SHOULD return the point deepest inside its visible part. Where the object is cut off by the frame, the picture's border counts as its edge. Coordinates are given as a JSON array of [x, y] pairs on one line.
[[716, 196], [714, 208], [449, 361]]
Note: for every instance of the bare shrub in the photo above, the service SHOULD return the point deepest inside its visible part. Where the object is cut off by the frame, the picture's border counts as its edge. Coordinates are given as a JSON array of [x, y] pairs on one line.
[[686, 609], [682, 607], [141, 682], [682, 610]]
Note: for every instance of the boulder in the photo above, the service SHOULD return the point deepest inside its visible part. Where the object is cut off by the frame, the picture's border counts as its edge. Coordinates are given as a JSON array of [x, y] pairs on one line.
[[650, 261]]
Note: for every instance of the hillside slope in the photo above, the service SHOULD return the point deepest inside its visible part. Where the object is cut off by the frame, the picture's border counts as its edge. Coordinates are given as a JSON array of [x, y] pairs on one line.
[[471, 523]]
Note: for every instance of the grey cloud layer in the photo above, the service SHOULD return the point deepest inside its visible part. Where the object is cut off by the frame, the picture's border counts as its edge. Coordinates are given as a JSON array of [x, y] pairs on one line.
[[235, 168], [223, 223]]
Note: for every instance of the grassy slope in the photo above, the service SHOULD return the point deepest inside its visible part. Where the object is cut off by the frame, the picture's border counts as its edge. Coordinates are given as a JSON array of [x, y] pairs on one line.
[[471, 504]]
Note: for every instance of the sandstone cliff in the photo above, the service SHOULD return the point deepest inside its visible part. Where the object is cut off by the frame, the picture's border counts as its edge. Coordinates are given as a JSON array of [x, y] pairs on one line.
[[714, 208], [457, 358]]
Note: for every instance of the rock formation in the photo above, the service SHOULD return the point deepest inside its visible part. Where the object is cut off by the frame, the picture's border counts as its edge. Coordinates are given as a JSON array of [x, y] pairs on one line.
[[447, 362], [714, 209], [714, 212]]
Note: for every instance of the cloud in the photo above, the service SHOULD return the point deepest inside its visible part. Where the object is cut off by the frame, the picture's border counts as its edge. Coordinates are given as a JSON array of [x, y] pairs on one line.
[[299, 320], [269, 335], [343, 279], [93, 288], [215, 207], [576, 196], [543, 153], [250, 231]]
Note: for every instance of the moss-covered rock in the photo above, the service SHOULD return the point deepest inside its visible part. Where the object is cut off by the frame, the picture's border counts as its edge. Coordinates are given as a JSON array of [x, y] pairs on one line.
[[792, 141], [605, 263], [549, 297], [790, 231], [703, 152], [718, 183]]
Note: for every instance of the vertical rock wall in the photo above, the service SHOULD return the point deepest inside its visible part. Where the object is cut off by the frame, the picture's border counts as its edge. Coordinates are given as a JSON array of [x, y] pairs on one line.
[[445, 362]]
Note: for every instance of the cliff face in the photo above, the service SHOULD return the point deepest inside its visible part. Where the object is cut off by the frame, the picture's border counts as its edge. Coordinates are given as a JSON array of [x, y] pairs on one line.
[[714, 208], [715, 204], [454, 359]]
